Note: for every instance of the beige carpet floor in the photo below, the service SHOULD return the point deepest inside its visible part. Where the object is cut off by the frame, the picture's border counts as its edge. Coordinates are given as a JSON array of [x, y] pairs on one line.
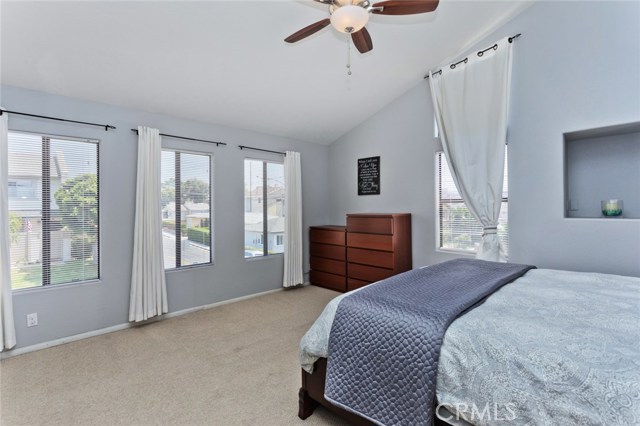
[[235, 364]]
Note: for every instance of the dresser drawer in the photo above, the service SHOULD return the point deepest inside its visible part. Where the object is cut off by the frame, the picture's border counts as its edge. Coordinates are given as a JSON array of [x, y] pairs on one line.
[[327, 250], [332, 281], [370, 241], [337, 267], [352, 283], [370, 225], [367, 273], [326, 236], [382, 259]]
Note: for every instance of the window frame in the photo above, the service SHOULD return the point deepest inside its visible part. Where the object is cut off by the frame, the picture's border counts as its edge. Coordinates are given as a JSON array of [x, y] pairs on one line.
[[438, 217], [211, 209], [264, 237], [98, 279]]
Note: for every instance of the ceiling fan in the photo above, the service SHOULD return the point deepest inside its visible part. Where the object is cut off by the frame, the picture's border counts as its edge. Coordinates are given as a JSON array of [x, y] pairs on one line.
[[351, 16]]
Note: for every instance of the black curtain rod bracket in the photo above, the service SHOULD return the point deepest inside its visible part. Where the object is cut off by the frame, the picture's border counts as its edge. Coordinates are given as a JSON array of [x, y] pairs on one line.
[[185, 138], [260, 149], [480, 53], [106, 126]]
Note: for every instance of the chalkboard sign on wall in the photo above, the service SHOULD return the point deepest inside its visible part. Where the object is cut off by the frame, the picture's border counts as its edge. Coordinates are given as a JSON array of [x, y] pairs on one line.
[[369, 176]]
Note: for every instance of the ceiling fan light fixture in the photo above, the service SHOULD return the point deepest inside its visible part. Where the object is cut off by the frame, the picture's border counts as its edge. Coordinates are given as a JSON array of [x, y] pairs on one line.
[[349, 19]]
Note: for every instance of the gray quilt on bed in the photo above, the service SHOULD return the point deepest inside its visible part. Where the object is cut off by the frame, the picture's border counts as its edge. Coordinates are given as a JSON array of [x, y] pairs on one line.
[[385, 339], [562, 348]]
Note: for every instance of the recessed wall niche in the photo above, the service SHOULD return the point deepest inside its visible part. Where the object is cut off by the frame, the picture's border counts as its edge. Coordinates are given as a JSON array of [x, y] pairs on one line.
[[602, 164]]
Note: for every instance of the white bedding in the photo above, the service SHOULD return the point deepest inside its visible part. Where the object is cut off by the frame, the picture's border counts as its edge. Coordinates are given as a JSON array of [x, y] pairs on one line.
[[551, 348]]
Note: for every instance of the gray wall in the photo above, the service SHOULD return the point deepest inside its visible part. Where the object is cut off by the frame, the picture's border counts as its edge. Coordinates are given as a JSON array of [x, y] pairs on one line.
[[67, 310], [575, 67]]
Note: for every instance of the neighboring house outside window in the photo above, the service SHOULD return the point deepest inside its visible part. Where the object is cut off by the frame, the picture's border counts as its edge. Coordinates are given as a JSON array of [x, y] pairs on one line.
[[458, 230], [186, 209], [257, 172], [53, 209]]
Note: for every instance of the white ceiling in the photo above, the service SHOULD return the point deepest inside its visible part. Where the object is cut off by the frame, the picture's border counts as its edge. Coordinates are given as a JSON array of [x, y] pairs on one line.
[[225, 62]]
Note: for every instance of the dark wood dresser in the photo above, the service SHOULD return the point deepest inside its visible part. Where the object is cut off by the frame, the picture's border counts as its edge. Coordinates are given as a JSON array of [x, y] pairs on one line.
[[378, 246], [370, 248], [328, 257]]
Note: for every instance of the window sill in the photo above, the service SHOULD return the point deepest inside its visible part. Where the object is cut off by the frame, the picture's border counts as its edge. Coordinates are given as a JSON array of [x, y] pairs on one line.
[[188, 267], [27, 290], [258, 258], [470, 253]]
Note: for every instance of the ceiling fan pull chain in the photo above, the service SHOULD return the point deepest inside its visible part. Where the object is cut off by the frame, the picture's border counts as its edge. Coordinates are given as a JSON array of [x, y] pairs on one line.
[[349, 56]]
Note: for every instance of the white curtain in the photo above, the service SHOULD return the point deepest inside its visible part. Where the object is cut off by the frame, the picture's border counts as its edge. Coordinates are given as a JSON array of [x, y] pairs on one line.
[[293, 274], [471, 104], [148, 285], [7, 326]]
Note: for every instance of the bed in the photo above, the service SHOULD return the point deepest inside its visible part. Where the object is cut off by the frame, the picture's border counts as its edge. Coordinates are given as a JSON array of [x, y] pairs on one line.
[[551, 347]]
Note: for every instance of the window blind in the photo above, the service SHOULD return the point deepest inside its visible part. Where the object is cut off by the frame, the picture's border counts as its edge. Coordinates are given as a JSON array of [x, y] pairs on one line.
[[264, 199], [458, 229], [186, 208], [53, 210]]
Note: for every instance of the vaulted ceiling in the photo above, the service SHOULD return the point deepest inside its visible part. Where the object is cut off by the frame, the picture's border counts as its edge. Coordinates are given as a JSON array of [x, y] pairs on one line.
[[225, 62]]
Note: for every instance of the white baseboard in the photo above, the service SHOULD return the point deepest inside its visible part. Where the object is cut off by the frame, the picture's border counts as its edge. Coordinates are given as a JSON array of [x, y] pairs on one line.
[[93, 333]]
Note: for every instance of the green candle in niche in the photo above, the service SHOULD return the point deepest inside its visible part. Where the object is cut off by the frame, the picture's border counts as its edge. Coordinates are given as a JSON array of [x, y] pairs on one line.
[[611, 208]]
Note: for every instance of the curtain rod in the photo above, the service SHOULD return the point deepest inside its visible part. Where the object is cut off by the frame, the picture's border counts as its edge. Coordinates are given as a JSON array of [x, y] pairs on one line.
[[106, 126], [263, 150], [185, 138], [480, 53]]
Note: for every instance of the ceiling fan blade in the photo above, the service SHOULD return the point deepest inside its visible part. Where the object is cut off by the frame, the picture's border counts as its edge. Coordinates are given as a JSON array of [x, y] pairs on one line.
[[362, 40], [325, 1], [405, 7], [307, 31]]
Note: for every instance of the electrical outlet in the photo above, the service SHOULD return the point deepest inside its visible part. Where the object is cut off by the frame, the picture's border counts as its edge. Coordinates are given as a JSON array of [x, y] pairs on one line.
[[32, 319]]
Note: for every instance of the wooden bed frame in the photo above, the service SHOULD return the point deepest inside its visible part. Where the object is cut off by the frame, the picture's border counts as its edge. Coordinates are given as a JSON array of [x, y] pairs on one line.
[[311, 395]]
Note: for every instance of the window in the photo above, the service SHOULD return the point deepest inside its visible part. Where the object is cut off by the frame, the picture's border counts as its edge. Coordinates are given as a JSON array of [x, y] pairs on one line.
[[23, 188], [186, 208], [53, 210], [263, 221], [458, 229]]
